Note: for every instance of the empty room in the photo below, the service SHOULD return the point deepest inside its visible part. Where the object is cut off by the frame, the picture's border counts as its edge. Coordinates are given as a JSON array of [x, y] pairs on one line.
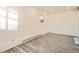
[[39, 29]]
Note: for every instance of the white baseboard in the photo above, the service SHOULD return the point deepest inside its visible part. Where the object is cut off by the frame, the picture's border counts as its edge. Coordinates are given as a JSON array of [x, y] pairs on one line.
[[31, 38]]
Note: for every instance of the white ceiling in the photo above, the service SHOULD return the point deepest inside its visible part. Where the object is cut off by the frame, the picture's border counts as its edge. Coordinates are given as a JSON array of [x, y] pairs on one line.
[[56, 8]]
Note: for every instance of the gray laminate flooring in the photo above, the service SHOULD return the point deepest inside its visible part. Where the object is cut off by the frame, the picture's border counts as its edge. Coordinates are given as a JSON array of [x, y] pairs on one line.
[[48, 43]]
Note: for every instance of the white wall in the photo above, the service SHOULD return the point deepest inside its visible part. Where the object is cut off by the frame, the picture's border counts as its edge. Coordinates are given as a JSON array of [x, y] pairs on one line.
[[64, 22], [29, 25]]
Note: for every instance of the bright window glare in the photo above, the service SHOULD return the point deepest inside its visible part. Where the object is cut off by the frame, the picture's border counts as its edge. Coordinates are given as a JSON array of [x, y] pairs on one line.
[[2, 12], [11, 10], [12, 24], [2, 22], [8, 19], [12, 15], [12, 20]]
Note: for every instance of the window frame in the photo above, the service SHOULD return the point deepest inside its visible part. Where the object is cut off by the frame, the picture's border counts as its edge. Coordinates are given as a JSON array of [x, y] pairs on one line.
[[7, 18]]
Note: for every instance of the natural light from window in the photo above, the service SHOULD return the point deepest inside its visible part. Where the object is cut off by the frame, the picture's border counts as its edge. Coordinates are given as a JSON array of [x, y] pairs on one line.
[[2, 11], [2, 23], [8, 19]]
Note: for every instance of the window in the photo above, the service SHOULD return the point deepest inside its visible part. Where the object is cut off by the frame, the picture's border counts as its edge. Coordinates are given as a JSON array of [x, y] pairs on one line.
[[2, 11], [8, 19], [2, 22], [12, 14], [12, 24], [12, 19], [2, 18]]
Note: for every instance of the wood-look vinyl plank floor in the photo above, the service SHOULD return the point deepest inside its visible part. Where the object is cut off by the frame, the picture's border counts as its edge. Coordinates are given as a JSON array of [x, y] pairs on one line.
[[48, 43]]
